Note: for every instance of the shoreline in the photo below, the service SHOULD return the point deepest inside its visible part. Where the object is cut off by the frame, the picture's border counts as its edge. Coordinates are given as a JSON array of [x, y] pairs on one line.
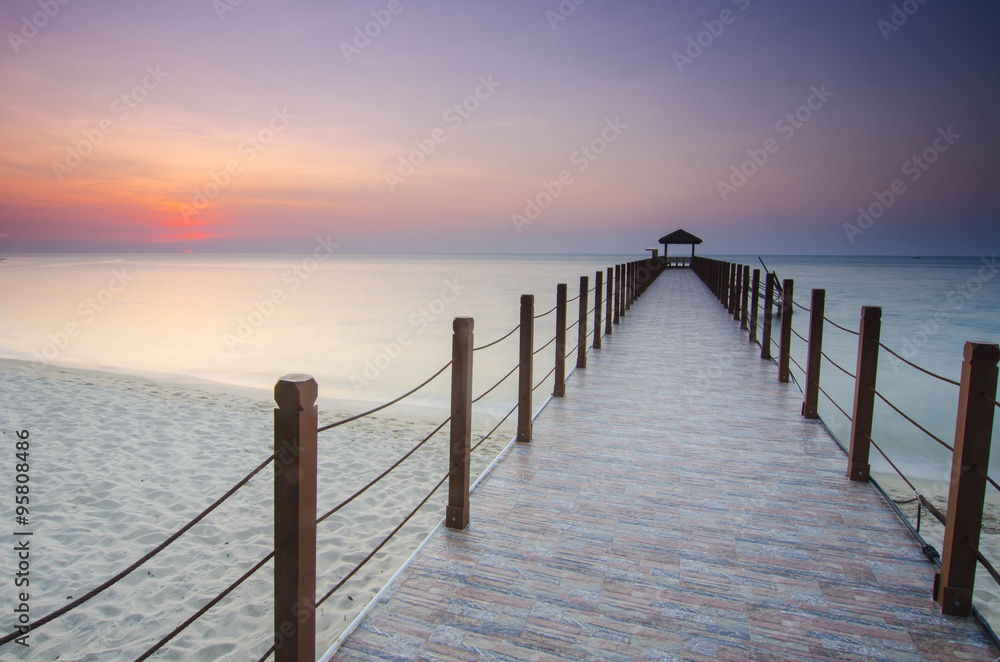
[[120, 462]]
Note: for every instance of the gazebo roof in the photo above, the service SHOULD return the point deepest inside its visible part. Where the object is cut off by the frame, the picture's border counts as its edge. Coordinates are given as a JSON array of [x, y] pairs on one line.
[[680, 237]]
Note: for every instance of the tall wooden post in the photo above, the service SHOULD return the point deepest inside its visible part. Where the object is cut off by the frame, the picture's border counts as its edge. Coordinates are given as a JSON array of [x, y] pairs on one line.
[[609, 301], [724, 298], [457, 513], [738, 293], [526, 367], [581, 327], [559, 388], [754, 304], [765, 345], [627, 270], [745, 296], [785, 346], [810, 402], [858, 467], [598, 286], [618, 292], [731, 300], [295, 519], [970, 462]]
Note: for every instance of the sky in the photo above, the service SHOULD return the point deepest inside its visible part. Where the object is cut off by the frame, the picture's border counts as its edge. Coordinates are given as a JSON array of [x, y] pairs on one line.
[[844, 127]]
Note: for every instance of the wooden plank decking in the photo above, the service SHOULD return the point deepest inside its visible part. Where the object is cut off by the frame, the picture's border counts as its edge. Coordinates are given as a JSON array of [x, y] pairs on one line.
[[674, 506]]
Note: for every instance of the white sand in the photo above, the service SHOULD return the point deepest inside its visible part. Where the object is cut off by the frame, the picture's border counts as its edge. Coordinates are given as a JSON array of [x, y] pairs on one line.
[[986, 595], [118, 463]]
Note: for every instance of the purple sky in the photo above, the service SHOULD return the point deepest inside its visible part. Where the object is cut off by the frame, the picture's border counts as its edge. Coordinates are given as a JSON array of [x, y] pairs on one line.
[[591, 127]]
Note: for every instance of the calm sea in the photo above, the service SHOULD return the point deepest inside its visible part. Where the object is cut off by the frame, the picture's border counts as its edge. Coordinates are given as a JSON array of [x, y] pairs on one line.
[[370, 327]]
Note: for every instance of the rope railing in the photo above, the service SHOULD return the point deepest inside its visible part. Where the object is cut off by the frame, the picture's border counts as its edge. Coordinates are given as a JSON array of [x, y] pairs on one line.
[[384, 473], [801, 306], [989, 566], [550, 373], [570, 327], [495, 428], [989, 399], [502, 380], [837, 365], [201, 612], [538, 351], [387, 404], [796, 364], [498, 340], [914, 365], [547, 312], [572, 351], [842, 328], [892, 464], [156, 550], [382, 544], [573, 299], [799, 336], [917, 425], [834, 403]]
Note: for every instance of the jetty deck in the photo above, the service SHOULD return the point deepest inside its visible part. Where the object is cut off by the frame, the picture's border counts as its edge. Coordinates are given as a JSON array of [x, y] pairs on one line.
[[673, 506]]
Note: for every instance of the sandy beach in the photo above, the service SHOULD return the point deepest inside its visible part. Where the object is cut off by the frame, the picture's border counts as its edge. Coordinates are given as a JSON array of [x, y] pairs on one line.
[[120, 462]]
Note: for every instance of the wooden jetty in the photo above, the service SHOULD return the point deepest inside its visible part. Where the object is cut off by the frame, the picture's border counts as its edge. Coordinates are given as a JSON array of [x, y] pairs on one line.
[[674, 506]]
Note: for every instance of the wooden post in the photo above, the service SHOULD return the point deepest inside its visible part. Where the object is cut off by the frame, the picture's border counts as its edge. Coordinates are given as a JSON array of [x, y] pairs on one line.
[[609, 302], [457, 513], [738, 293], [581, 327], [526, 367], [598, 286], [785, 340], [810, 403], [559, 388], [731, 300], [745, 297], [618, 292], [627, 270], [765, 345], [724, 285], [858, 467], [754, 304], [295, 519], [970, 461]]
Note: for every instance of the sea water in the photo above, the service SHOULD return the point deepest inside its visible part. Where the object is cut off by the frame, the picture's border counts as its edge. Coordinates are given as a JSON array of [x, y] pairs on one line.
[[370, 327]]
